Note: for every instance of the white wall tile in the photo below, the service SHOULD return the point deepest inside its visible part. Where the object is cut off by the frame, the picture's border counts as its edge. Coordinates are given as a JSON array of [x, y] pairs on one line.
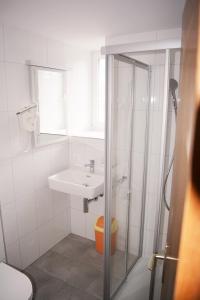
[[20, 140], [175, 57], [18, 90], [56, 55], [77, 153], [137, 174], [135, 209], [121, 205], [61, 202], [2, 249], [10, 223], [121, 234], [155, 132], [1, 44], [38, 49], [44, 206], [23, 172], [153, 174], [27, 201], [61, 226], [150, 211], [174, 33], [146, 57], [139, 129], [97, 207], [5, 149], [3, 102], [148, 243], [13, 254], [157, 90], [26, 213], [160, 58], [90, 224], [78, 222], [6, 182], [94, 152], [59, 159], [171, 133], [17, 45], [76, 202], [134, 240], [131, 38], [29, 248], [46, 238], [42, 166]]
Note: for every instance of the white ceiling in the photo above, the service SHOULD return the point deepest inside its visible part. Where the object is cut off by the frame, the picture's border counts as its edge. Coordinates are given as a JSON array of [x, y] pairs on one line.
[[87, 22]]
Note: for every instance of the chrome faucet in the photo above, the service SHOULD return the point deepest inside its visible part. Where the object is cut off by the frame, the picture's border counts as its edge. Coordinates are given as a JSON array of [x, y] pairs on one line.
[[91, 165]]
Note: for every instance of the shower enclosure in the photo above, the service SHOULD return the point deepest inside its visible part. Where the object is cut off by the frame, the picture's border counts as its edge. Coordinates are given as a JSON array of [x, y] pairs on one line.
[[127, 158], [130, 98]]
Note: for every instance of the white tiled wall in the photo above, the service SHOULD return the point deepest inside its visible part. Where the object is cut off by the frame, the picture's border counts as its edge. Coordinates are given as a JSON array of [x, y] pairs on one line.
[[2, 250], [34, 217], [81, 151]]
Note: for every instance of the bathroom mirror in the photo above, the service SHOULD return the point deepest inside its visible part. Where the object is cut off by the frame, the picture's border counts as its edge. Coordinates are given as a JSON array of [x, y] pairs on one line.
[[48, 92]]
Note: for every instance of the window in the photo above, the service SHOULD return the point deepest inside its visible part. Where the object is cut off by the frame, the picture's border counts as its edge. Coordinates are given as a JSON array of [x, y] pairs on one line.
[[48, 91], [51, 102]]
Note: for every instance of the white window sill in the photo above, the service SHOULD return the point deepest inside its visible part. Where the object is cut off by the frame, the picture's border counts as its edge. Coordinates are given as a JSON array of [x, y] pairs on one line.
[[88, 134]]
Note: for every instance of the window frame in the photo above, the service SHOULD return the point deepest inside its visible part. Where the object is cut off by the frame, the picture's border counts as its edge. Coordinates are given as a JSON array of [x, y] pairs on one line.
[[50, 138]]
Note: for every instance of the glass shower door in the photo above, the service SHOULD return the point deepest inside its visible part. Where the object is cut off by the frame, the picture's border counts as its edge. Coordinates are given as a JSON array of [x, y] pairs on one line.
[[126, 161]]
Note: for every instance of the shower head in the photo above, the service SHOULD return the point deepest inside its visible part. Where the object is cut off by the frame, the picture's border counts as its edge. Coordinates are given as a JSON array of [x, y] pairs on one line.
[[173, 85]]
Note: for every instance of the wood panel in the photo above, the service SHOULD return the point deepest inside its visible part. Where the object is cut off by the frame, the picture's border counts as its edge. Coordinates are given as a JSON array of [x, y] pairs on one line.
[[188, 272], [184, 220]]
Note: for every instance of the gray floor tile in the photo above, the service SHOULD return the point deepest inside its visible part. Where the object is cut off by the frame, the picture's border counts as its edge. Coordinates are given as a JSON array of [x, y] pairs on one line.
[[118, 263], [44, 285], [72, 270], [71, 293], [73, 246], [96, 287], [82, 275], [92, 257], [55, 265]]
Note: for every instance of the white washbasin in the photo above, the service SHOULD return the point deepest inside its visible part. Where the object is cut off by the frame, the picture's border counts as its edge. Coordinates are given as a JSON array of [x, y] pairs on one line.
[[77, 182]]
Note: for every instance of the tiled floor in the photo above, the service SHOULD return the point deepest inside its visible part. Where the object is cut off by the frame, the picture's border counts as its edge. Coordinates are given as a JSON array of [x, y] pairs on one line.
[[72, 270]]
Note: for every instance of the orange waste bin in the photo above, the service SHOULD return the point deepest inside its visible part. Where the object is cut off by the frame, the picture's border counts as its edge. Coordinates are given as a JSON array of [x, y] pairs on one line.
[[99, 235]]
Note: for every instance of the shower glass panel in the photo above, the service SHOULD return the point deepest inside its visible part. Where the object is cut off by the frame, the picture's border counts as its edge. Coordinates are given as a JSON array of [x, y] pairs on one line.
[[126, 151], [138, 159], [173, 74], [121, 137]]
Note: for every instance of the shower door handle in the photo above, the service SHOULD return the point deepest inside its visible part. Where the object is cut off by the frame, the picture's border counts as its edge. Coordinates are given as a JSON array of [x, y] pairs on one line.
[[162, 256]]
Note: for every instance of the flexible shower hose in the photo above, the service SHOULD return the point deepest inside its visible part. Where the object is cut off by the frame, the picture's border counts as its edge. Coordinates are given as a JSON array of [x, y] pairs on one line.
[[171, 162]]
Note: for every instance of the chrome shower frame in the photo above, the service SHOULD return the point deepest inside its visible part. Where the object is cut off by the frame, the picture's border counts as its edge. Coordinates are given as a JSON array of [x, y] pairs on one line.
[[108, 172], [109, 51]]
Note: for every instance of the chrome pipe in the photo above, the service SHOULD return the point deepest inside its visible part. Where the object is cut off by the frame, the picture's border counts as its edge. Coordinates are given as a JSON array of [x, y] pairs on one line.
[[157, 229], [130, 164], [46, 67], [26, 109], [145, 170], [108, 173], [132, 61]]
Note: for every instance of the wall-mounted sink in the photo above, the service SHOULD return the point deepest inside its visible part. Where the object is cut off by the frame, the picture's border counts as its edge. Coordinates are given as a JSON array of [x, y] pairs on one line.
[[77, 182]]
